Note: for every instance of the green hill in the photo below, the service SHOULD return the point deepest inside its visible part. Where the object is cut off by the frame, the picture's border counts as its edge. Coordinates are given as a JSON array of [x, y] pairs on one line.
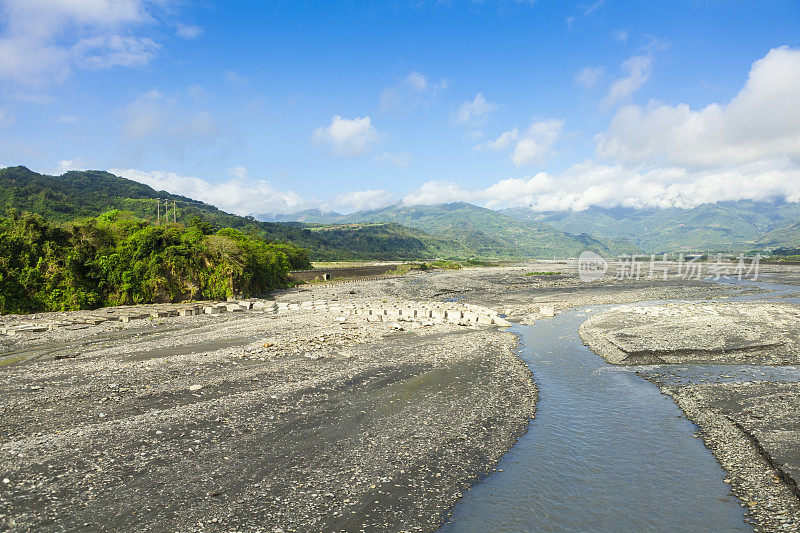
[[91, 193], [489, 233], [788, 236], [723, 226]]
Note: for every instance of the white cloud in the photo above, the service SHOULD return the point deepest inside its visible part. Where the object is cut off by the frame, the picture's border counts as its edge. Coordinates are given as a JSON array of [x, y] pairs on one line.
[[363, 200], [667, 156], [114, 50], [44, 40], [348, 137], [594, 6], [67, 165], [589, 76], [66, 119], [239, 172], [761, 122], [530, 146], [621, 36], [188, 31], [400, 159], [144, 116], [503, 142], [474, 111], [593, 184], [240, 195], [437, 192], [637, 70], [413, 90]]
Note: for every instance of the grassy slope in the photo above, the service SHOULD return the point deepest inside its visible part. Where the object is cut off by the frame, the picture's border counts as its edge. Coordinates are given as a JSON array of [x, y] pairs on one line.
[[721, 226], [489, 232], [90, 193]]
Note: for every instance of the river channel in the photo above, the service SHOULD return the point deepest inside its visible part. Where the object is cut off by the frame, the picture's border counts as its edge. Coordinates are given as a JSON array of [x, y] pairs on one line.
[[606, 450]]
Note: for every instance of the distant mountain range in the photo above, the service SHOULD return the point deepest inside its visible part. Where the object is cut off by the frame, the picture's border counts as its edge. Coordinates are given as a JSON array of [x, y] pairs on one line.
[[486, 233], [90, 193], [724, 226], [455, 230]]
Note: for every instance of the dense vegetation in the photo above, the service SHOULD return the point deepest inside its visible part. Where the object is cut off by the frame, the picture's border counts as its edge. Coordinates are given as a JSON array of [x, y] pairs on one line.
[[118, 258], [483, 232], [90, 193], [721, 227]]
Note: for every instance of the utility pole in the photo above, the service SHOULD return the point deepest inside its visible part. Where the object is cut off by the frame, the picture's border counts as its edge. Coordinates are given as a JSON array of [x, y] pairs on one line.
[[158, 211], [174, 211]]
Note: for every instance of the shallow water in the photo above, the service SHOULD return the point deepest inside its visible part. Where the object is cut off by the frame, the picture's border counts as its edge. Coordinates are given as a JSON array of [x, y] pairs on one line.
[[606, 452]]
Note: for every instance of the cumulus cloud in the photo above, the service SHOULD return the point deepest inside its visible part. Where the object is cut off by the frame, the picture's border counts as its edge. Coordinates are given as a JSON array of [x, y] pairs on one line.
[[348, 137], [44, 40], [529, 146], [437, 192], [413, 90], [474, 111], [241, 194], [363, 200], [761, 121], [594, 184], [67, 165], [621, 36], [589, 76], [636, 71]]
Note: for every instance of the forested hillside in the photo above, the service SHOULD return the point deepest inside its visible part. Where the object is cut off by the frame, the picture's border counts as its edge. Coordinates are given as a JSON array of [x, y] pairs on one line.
[[91, 193], [119, 259]]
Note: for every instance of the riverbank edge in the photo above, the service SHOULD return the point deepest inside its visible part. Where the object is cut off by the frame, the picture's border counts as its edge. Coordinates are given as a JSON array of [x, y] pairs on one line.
[[753, 477], [514, 435]]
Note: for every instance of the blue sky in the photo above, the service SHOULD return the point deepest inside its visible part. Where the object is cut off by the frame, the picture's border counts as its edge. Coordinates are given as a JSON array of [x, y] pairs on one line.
[[262, 107]]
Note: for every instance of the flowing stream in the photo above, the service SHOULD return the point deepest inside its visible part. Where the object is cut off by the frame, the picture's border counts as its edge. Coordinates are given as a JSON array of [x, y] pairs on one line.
[[606, 450]]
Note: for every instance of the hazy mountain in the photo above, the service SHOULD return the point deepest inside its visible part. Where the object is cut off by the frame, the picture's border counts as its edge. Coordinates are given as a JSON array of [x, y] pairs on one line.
[[715, 227], [488, 233], [313, 216]]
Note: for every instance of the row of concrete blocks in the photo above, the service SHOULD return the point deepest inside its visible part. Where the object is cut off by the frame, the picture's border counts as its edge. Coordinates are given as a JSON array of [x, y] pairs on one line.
[[127, 316], [454, 316]]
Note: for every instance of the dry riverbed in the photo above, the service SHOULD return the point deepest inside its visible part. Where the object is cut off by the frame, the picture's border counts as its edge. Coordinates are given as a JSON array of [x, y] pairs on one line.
[[359, 405], [303, 420]]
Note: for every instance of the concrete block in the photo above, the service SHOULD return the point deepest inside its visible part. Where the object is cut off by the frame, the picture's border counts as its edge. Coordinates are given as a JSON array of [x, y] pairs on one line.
[[438, 313], [484, 320], [547, 310], [453, 315], [188, 311], [470, 316], [211, 310], [501, 322]]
